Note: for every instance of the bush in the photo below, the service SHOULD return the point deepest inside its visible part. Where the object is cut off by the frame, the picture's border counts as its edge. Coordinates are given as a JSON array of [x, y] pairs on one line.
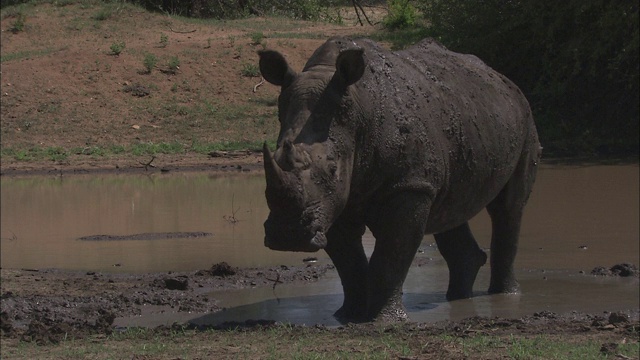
[[250, 70], [576, 60], [164, 40], [18, 24], [174, 64], [117, 47], [401, 15], [149, 62], [256, 38]]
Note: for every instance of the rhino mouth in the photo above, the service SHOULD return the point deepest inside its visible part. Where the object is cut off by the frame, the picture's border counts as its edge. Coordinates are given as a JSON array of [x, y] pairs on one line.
[[317, 242], [287, 234]]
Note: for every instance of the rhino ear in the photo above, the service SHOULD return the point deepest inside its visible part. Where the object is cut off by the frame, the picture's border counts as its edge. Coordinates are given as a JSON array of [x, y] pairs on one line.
[[274, 68], [350, 65]]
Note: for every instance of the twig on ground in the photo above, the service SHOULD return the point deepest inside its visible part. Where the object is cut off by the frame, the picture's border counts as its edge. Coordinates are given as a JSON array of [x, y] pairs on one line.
[[276, 281], [182, 32], [255, 88], [148, 164], [12, 238], [232, 218]]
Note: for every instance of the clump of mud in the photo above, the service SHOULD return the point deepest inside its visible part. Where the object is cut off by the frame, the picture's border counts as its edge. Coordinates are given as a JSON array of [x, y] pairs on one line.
[[221, 269], [622, 270]]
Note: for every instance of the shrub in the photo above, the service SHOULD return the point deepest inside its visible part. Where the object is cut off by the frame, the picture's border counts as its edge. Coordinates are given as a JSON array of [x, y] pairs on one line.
[[174, 64], [149, 62], [401, 15], [256, 38], [103, 14], [117, 47], [18, 24], [164, 40], [250, 70]]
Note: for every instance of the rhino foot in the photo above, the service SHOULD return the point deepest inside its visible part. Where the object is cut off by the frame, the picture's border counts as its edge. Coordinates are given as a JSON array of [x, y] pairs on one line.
[[461, 279], [392, 315], [508, 287], [346, 316]]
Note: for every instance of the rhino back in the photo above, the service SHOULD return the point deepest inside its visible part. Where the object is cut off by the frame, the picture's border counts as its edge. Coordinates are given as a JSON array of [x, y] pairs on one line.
[[440, 122]]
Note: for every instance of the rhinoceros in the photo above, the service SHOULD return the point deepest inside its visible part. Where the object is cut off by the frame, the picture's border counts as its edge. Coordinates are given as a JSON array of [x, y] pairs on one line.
[[406, 143]]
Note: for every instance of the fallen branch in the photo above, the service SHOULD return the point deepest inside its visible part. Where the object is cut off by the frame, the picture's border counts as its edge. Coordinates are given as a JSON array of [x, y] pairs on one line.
[[12, 238], [182, 32], [276, 281], [232, 219], [148, 164], [170, 28], [255, 88]]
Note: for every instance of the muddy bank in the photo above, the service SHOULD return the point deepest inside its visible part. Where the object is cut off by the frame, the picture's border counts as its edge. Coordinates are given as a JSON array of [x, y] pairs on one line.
[[42, 305], [223, 162], [46, 306], [146, 236]]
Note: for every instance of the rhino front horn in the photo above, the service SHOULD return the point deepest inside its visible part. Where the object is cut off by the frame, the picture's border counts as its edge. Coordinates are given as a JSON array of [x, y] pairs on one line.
[[272, 171]]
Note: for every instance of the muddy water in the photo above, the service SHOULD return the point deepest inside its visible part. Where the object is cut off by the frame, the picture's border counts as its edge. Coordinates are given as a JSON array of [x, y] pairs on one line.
[[42, 218], [578, 217]]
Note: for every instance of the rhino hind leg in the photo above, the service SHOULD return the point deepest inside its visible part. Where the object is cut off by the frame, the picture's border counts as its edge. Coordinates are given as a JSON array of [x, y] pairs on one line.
[[504, 245], [506, 216], [464, 259]]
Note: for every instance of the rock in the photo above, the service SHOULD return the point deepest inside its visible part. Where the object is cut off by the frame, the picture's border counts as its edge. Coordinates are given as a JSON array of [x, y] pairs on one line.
[[217, 154], [545, 314], [177, 283], [6, 325], [617, 318], [137, 90], [600, 271], [609, 348], [624, 270], [222, 269], [310, 259]]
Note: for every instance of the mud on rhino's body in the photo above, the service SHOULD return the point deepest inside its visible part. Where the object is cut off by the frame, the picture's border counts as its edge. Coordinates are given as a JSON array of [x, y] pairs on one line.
[[406, 143]]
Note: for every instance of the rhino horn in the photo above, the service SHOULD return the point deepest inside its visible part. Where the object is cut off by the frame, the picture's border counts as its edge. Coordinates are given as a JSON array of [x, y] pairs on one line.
[[273, 172]]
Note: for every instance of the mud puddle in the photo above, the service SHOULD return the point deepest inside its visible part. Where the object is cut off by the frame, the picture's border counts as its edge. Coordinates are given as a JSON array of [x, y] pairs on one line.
[[559, 292]]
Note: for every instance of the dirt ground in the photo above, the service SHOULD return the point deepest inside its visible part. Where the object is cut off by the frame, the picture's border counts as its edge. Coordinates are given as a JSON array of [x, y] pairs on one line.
[[62, 88], [65, 91]]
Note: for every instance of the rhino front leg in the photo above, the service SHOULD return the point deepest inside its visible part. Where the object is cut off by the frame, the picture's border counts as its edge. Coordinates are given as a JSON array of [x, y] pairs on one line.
[[344, 247], [398, 228], [464, 259]]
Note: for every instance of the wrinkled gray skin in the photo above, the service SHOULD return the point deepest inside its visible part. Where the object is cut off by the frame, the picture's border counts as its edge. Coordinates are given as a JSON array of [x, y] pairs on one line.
[[405, 143]]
